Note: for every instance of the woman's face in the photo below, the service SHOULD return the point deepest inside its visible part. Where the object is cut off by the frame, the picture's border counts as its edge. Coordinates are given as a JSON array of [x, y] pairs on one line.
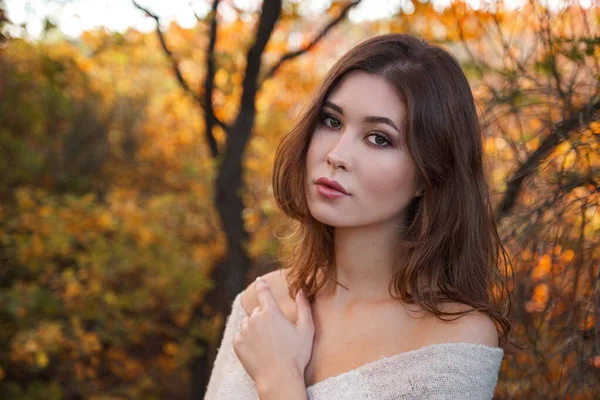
[[357, 142]]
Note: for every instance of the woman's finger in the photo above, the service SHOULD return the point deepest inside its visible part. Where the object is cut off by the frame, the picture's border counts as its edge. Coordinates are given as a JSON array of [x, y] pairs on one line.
[[265, 296], [304, 312]]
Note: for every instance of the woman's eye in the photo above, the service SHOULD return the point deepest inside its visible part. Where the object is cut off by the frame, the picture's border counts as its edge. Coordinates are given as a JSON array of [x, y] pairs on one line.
[[380, 140], [334, 123]]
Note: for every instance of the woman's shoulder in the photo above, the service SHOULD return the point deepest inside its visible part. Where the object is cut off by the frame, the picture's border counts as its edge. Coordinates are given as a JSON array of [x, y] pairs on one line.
[[472, 327], [277, 281]]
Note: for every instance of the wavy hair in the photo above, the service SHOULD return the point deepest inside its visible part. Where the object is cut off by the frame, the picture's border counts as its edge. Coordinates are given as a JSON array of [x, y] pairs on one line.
[[450, 250]]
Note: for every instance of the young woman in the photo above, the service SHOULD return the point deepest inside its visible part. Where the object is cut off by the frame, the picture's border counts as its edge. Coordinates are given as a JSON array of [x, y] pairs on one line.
[[393, 289]]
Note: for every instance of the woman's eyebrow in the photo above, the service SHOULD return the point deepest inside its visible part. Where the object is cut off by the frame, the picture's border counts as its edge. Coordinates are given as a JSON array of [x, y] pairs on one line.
[[371, 119]]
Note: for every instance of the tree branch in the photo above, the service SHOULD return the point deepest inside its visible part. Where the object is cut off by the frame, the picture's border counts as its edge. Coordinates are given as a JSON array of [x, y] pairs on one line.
[[324, 31], [269, 16], [209, 116], [182, 82], [558, 135], [590, 180]]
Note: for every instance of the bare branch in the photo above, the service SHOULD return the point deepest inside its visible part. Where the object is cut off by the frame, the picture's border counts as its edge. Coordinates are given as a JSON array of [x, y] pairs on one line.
[[560, 133], [182, 82], [169, 53], [209, 116], [269, 16], [294, 54]]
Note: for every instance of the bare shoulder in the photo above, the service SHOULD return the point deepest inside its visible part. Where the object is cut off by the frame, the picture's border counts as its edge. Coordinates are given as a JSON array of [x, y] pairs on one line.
[[278, 284], [472, 327]]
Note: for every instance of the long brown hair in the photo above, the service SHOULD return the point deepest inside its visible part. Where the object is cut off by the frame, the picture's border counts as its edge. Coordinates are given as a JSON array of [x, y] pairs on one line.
[[450, 240]]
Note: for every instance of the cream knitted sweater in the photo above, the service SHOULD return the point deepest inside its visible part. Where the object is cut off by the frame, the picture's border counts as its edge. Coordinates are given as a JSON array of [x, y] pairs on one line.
[[465, 371]]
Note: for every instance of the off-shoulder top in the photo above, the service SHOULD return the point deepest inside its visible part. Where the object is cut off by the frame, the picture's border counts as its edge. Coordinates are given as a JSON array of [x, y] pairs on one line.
[[466, 371]]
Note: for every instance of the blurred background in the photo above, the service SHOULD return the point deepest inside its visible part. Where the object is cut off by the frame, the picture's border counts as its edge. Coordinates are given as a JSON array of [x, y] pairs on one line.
[[136, 149]]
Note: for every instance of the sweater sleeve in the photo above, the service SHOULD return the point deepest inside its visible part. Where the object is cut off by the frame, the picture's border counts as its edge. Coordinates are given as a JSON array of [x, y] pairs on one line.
[[228, 379]]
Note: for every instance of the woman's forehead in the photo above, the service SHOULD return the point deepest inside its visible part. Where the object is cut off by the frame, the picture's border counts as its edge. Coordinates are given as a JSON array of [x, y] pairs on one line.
[[360, 93]]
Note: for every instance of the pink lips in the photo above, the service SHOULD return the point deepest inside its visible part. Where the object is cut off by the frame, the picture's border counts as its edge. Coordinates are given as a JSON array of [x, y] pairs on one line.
[[330, 189]]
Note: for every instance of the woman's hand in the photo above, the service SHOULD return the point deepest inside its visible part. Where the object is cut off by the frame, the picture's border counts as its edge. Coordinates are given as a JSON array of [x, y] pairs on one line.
[[272, 349]]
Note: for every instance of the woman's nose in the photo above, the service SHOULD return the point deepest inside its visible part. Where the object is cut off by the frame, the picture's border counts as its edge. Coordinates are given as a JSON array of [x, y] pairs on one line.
[[335, 162], [339, 155]]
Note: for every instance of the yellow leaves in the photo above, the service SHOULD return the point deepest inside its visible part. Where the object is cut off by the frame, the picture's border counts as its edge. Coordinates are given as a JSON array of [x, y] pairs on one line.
[[24, 199], [182, 318], [171, 348], [37, 246], [595, 362], [79, 369], [533, 144], [72, 290], [144, 236], [199, 253], [543, 267], [86, 65], [541, 294], [582, 192], [251, 219], [105, 220], [41, 359], [556, 249], [526, 255], [236, 78], [199, 190], [569, 159], [539, 300], [45, 211], [35, 346], [221, 77], [587, 323], [122, 365], [567, 256], [545, 263], [491, 144], [90, 343], [529, 198], [31, 346], [110, 298]]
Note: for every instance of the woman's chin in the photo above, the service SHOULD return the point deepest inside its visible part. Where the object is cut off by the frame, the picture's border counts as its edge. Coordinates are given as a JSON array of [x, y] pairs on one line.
[[333, 221]]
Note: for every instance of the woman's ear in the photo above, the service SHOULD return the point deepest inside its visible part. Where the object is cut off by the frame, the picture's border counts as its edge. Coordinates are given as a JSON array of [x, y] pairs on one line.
[[420, 192]]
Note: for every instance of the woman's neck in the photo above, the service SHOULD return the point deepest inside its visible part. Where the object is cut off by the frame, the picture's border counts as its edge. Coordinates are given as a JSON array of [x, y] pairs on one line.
[[364, 263]]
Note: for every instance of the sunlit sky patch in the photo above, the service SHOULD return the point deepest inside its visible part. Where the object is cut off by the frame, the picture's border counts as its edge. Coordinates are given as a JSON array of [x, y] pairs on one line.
[[77, 16]]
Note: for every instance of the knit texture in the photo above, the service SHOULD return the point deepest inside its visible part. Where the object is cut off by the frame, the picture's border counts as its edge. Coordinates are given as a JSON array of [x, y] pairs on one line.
[[465, 371]]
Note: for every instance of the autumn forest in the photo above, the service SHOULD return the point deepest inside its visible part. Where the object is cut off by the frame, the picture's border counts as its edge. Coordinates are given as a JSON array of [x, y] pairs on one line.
[[136, 198]]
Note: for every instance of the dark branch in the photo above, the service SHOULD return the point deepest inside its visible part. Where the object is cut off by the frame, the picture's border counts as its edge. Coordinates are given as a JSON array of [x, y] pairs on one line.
[[324, 31], [182, 82], [169, 53], [209, 115], [589, 180], [560, 133], [269, 16]]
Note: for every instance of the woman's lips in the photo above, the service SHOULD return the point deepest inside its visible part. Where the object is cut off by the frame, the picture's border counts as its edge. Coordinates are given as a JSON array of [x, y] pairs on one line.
[[329, 193]]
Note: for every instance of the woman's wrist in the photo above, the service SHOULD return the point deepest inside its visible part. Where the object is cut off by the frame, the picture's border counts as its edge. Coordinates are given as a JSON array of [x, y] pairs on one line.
[[282, 385]]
